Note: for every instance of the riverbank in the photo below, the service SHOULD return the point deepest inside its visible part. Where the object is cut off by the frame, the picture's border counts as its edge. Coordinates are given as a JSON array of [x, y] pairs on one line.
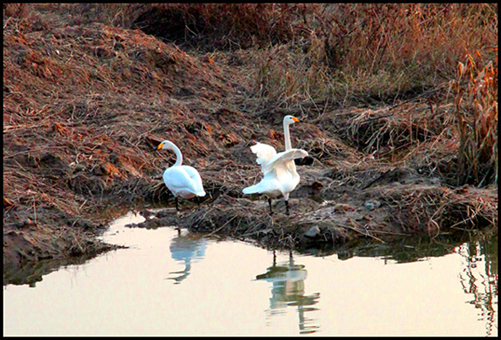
[[85, 106]]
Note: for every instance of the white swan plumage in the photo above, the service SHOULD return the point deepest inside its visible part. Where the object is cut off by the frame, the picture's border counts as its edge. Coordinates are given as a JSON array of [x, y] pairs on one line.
[[182, 180], [279, 169]]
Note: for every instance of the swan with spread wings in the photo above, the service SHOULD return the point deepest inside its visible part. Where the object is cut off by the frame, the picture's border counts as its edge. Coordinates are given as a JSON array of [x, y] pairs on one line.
[[279, 169]]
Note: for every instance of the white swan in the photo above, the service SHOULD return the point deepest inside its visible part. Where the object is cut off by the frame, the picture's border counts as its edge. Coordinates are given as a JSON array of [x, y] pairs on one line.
[[182, 180], [279, 169]]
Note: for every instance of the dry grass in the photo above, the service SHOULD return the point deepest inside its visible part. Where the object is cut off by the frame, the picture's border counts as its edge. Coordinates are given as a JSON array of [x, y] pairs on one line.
[[439, 210], [308, 58], [391, 49], [477, 117], [345, 51]]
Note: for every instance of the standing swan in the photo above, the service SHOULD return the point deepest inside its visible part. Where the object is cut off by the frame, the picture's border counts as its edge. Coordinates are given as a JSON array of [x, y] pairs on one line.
[[182, 180], [279, 169]]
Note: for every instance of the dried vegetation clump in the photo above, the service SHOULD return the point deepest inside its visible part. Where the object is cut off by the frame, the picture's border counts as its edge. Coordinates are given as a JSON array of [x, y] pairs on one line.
[[400, 129], [477, 120]]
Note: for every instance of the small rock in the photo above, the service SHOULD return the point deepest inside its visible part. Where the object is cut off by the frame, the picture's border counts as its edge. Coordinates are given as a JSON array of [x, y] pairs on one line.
[[147, 214], [372, 204], [312, 232]]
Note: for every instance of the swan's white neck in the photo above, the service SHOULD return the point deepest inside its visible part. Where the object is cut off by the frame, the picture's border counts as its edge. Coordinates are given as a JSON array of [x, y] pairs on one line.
[[287, 137], [179, 155]]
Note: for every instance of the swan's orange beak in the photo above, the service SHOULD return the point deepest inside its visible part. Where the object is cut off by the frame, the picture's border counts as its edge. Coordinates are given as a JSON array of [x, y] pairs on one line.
[[295, 119], [160, 146]]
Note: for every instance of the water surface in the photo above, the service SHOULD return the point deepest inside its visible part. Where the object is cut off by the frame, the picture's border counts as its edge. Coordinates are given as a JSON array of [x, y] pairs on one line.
[[171, 283]]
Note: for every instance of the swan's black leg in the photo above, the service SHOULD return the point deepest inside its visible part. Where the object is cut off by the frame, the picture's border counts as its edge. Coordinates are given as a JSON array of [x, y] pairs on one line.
[[198, 200], [177, 204], [287, 207], [269, 203]]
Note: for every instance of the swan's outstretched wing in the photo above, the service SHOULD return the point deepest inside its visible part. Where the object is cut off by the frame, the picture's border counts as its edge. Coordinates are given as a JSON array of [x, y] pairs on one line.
[[264, 153], [282, 157], [281, 176]]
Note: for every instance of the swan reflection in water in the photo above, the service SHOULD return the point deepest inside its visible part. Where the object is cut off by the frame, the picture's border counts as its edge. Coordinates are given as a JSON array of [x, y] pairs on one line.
[[184, 249], [288, 290]]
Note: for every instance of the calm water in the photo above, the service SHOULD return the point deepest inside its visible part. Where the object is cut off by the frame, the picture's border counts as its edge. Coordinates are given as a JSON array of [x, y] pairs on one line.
[[186, 284]]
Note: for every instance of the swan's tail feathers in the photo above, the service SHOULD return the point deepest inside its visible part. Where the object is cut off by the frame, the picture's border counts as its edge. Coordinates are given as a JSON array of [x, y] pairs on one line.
[[258, 188], [283, 157], [264, 153], [251, 190]]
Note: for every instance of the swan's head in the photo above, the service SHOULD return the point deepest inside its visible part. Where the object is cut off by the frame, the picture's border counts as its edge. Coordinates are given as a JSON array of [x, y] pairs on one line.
[[166, 144], [290, 120]]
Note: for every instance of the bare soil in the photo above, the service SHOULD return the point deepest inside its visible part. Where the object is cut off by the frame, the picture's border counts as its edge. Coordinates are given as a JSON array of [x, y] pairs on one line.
[[86, 105]]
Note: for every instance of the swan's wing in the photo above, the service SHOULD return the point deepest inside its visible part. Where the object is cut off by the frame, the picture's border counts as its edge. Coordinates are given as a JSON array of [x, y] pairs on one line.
[[280, 176], [268, 186], [197, 180], [282, 157], [177, 179], [183, 179], [264, 153]]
